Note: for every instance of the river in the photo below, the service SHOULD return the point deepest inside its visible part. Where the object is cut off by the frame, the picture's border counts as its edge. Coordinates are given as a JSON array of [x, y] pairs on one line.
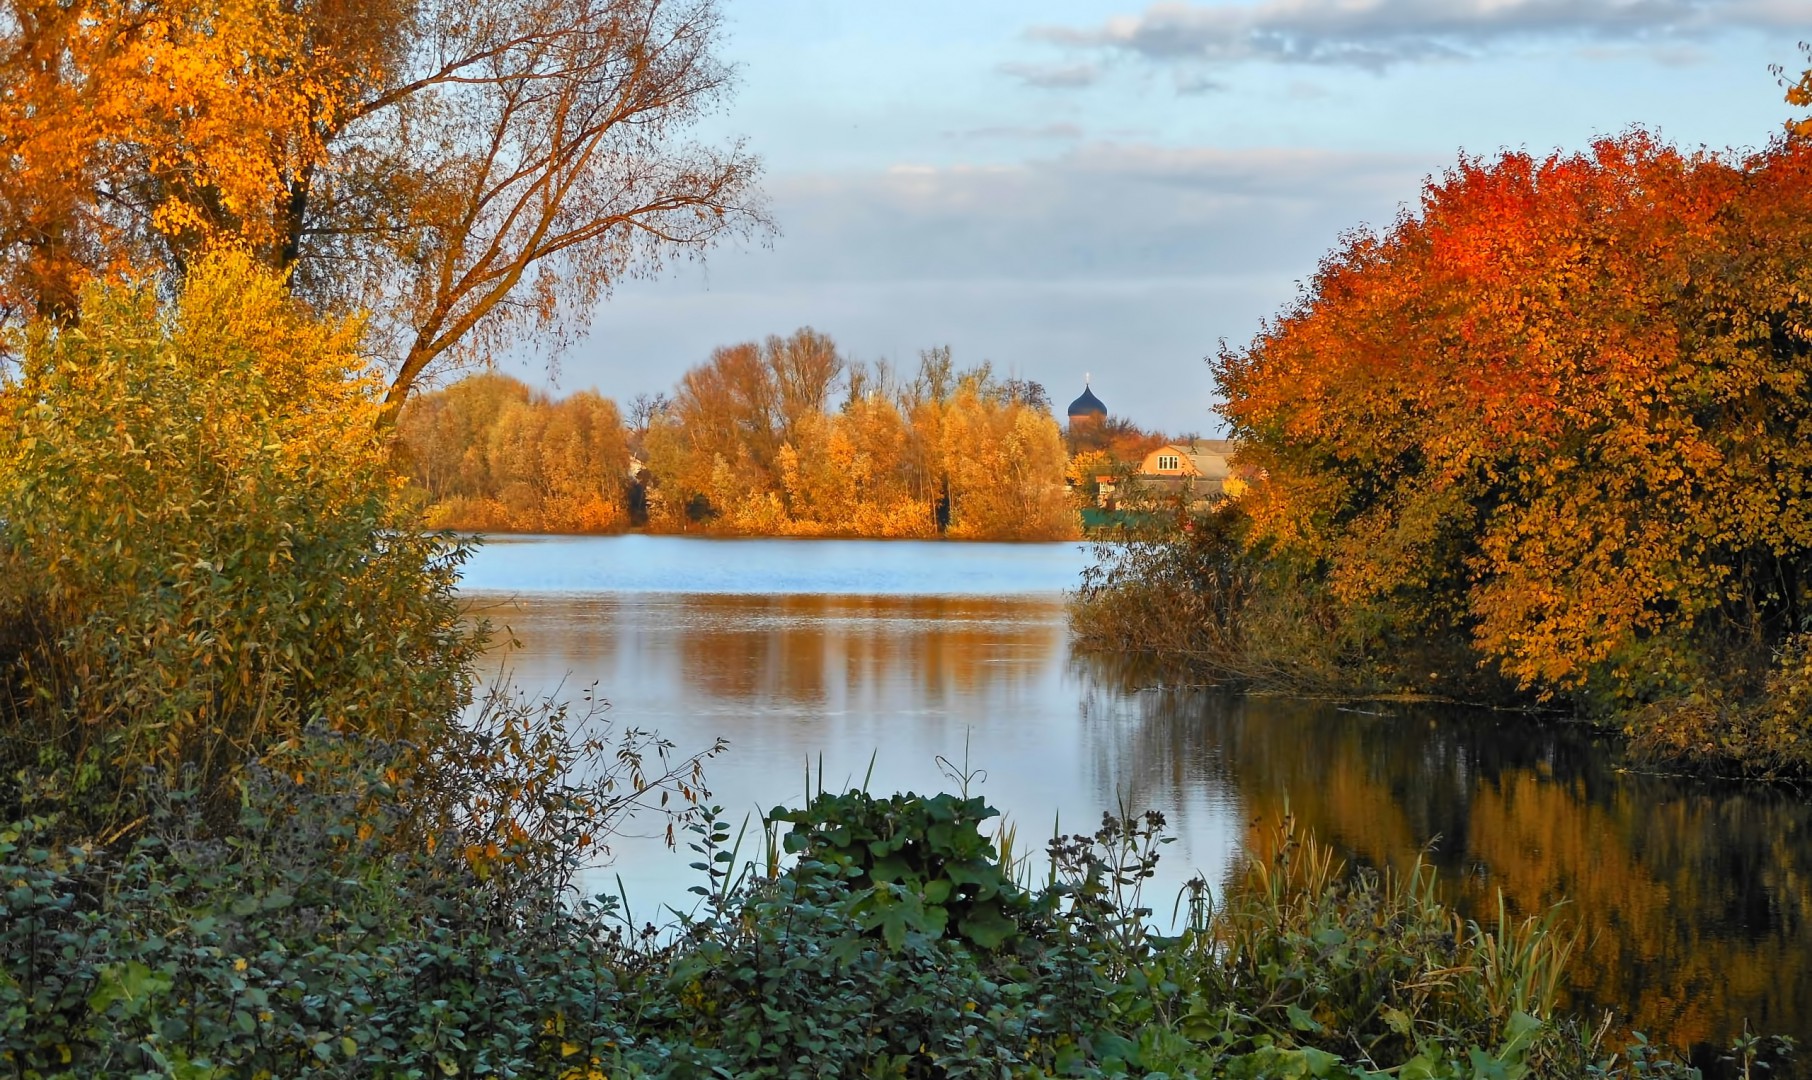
[[892, 663]]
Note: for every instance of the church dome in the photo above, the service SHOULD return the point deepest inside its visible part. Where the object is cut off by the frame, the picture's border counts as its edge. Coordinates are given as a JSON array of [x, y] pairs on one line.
[[1087, 405]]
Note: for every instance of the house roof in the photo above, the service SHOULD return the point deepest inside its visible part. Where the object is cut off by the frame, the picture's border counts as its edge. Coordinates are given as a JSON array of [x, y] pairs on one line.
[[1207, 457]]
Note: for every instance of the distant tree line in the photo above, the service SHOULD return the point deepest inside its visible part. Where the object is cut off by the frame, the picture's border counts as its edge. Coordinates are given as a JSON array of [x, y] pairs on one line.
[[784, 437]]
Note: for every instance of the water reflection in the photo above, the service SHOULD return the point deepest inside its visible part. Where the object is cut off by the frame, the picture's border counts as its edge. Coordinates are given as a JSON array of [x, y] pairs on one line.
[[1692, 898], [862, 687], [820, 654]]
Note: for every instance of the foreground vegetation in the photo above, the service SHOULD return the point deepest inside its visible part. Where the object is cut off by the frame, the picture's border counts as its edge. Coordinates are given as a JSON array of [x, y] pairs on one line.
[[253, 826], [305, 940], [1543, 441]]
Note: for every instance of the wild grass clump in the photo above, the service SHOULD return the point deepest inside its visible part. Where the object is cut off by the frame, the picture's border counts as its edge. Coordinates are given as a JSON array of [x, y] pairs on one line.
[[1372, 966]]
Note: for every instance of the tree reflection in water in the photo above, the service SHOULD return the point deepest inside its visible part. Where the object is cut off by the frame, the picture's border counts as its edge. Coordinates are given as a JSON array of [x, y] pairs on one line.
[[1691, 897]]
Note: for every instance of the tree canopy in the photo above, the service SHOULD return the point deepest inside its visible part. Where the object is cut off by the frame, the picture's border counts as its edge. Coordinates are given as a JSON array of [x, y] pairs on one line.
[[463, 171], [1562, 406]]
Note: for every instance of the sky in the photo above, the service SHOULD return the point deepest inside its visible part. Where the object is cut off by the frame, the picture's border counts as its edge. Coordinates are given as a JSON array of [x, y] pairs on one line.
[[1092, 188]]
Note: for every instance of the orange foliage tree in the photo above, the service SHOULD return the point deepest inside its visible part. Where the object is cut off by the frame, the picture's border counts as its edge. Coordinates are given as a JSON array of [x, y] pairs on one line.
[[466, 172], [1563, 409], [137, 132], [492, 455], [751, 445]]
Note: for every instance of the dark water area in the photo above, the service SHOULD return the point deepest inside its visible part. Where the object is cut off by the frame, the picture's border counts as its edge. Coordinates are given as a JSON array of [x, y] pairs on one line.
[[1689, 898], [873, 660]]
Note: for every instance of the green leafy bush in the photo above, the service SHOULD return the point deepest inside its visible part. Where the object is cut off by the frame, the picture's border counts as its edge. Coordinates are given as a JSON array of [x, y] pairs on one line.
[[307, 943], [917, 862]]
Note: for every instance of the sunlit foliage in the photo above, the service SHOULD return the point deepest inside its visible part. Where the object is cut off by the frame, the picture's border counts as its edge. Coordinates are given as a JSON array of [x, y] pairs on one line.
[[136, 133], [465, 172], [1560, 409], [491, 455], [204, 544], [751, 445], [754, 441]]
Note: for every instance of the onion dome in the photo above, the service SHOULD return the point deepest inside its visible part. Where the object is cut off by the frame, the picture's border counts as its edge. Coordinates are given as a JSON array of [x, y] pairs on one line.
[[1087, 405]]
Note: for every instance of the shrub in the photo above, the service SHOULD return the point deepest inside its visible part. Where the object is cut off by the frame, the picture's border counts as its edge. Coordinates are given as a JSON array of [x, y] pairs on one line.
[[204, 546], [919, 863], [1188, 593], [371, 910], [306, 943], [1199, 597]]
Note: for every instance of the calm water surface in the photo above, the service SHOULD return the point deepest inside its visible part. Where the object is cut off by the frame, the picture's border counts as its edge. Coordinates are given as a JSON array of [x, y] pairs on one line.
[[1694, 901]]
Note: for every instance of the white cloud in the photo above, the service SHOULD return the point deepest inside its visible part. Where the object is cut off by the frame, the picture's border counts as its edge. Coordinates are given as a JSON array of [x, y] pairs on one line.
[[1191, 83], [1094, 211], [1053, 76], [1378, 33]]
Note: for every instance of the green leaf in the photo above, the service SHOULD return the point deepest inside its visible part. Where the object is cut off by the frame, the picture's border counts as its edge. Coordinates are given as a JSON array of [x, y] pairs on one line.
[[1303, 1020], [987, 926]]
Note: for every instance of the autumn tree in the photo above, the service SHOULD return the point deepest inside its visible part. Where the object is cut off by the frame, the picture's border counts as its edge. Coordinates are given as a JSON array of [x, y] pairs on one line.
[[205, 546], [754, 443], [490, 454], [644, 410], [1006, 462], [1026, 392], [444, 437], [735, 411], [1560, 410], [137, 133], [467, 172]]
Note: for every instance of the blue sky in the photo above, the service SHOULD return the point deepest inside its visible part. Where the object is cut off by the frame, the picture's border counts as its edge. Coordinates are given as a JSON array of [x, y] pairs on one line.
[[1079, 186]]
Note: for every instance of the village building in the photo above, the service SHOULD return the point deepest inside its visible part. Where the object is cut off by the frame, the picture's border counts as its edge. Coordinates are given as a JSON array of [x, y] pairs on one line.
[[1200, 468]]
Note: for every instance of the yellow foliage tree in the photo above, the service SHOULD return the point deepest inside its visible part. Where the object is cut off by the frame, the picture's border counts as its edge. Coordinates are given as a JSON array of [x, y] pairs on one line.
[[749, 447], [202, 534], [1006, 465], [490, 455]]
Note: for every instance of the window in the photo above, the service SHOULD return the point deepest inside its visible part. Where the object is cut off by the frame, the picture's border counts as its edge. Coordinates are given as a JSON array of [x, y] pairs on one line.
[[1168, 461]]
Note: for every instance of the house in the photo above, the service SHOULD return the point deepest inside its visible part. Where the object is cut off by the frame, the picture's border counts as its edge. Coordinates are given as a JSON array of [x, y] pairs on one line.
[[1199, 467]]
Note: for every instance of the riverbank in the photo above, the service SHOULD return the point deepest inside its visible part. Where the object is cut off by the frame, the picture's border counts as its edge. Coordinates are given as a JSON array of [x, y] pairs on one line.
[[1209, 604]]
